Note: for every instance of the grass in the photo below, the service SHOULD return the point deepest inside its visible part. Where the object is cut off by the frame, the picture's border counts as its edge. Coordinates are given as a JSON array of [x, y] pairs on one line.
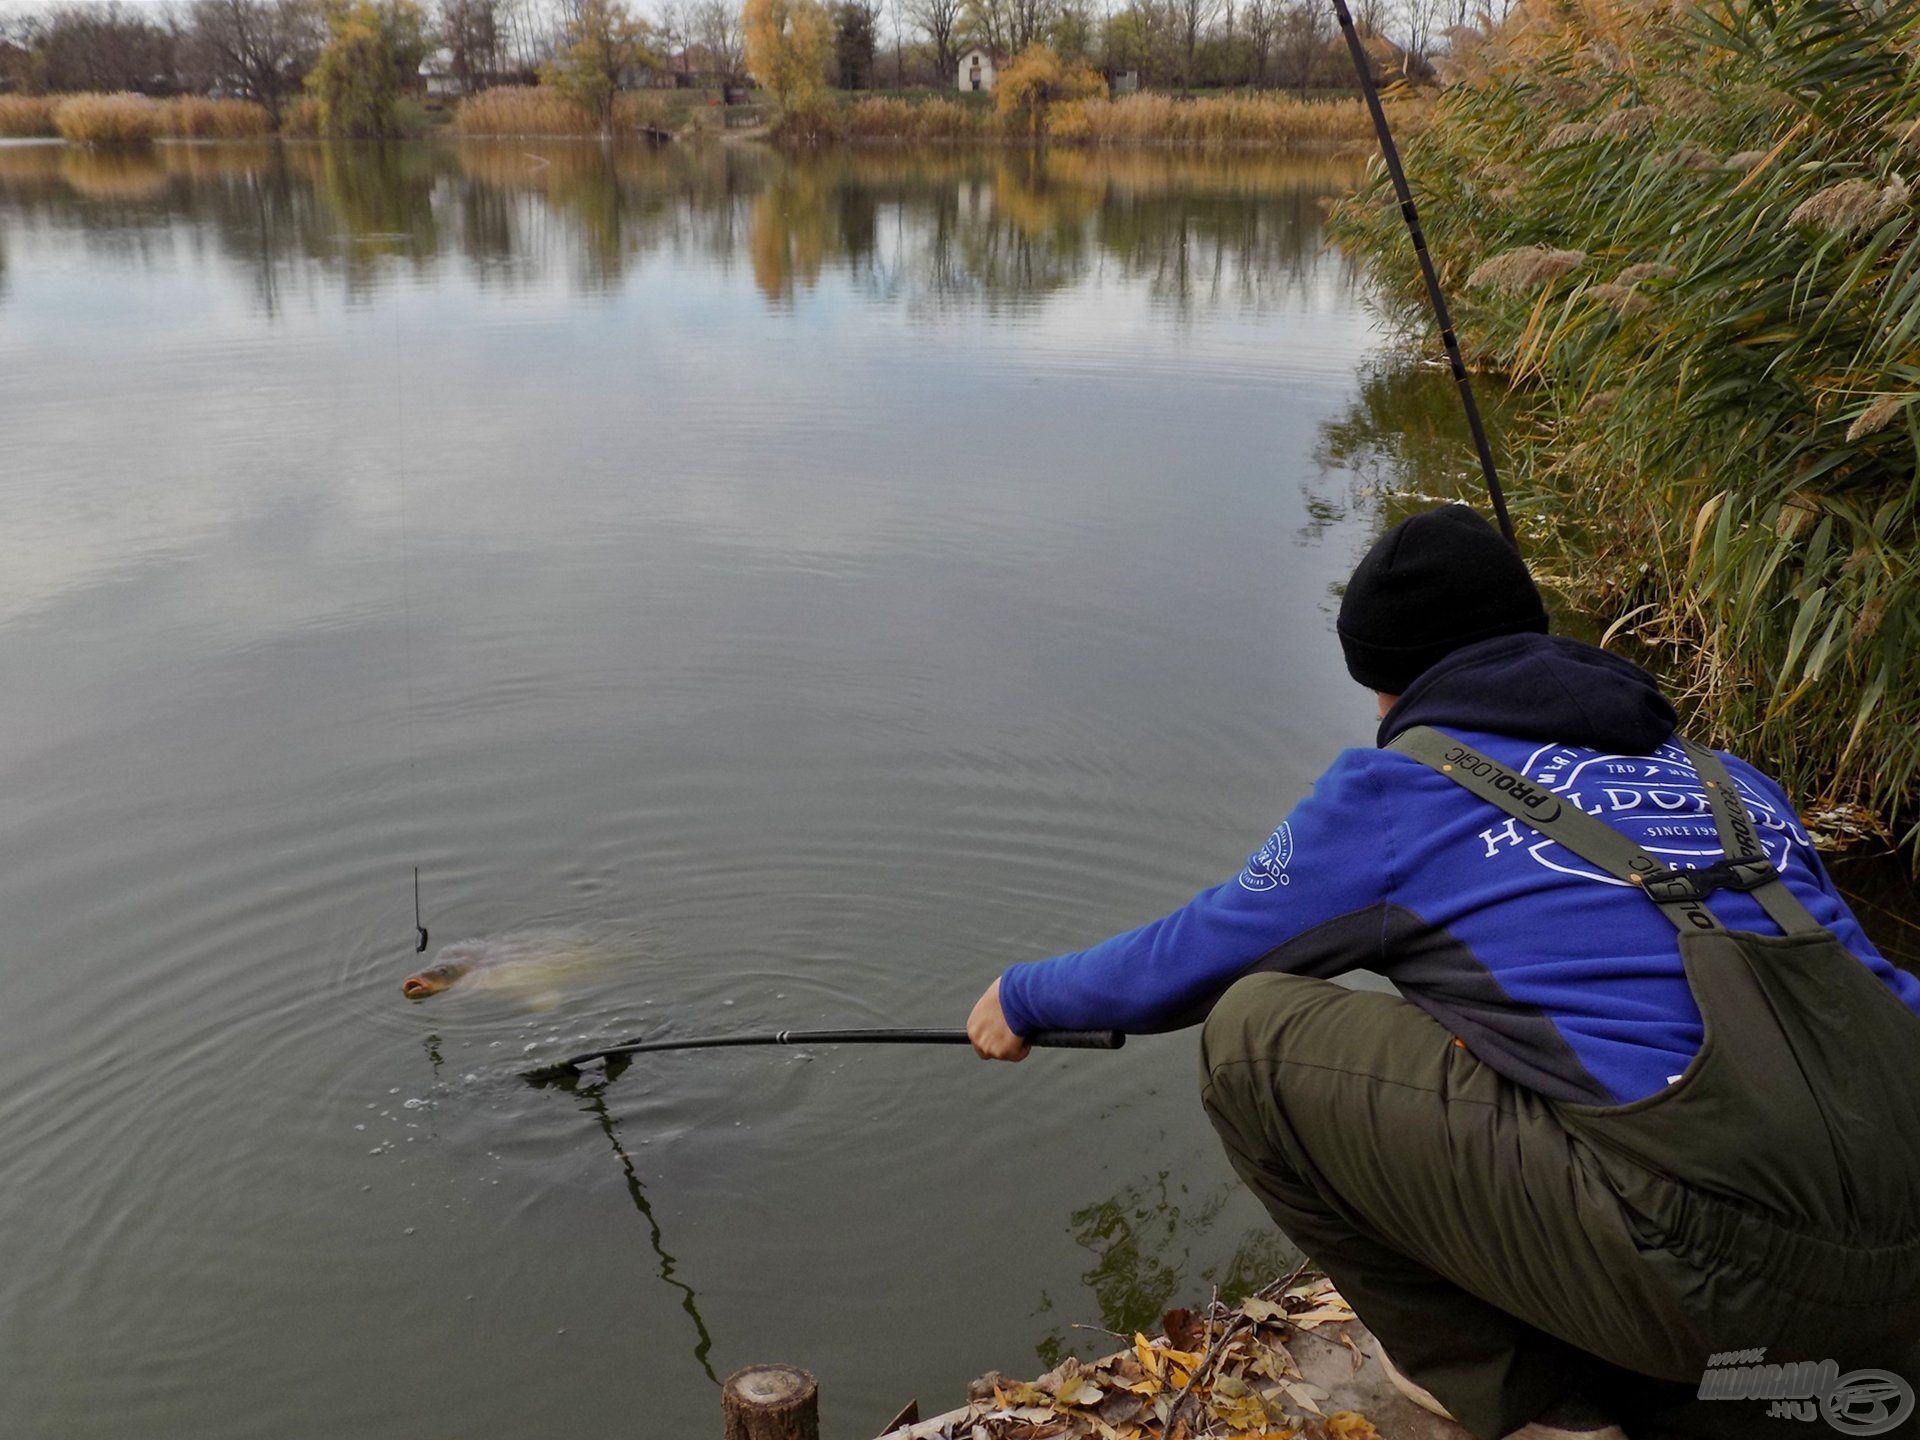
[[194, 117], [26, 117], [106, 119], [1685, 236], [530, 110]]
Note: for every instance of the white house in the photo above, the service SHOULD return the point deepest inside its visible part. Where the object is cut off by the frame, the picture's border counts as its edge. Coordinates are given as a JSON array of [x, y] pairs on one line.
[[436, 71], [976, 70]]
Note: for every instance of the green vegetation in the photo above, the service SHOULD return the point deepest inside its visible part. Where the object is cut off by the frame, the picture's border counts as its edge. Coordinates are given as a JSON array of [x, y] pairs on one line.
[[1685, 235], [604, 44], [371, 54]]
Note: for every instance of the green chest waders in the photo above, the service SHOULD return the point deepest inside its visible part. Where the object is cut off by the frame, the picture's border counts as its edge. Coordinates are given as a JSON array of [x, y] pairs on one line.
[[1776, 1184]]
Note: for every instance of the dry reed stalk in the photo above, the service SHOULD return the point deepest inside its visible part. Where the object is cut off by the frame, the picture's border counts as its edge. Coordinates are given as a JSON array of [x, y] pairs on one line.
[[122, 119], [26, 117], [1527, 268]]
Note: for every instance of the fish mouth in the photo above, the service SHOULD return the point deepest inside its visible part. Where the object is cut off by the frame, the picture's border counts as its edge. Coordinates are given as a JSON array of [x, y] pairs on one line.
[[416, 989]]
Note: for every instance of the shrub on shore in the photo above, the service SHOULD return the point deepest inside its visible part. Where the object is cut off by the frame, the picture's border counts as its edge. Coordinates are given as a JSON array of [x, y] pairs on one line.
[[1691, 250], [26, 117], [106, 119], [194, 117]]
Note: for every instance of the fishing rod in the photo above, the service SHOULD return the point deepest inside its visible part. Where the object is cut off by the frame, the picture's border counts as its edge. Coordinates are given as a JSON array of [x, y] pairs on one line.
[[1041, 1040], [1391, 154]]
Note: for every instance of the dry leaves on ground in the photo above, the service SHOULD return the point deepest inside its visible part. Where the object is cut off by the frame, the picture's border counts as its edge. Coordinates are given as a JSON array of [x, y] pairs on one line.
[[1223, 1373]]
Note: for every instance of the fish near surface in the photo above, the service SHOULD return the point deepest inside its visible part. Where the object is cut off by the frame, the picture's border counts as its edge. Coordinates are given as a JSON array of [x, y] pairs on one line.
[[532, 964]]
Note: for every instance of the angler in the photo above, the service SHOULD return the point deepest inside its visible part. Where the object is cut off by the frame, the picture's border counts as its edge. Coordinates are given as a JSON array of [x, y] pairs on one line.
[[1577, 1154]]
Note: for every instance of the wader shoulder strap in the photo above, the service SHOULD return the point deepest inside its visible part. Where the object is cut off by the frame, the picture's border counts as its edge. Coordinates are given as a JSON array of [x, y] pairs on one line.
[[1744, 852], [1559, 820]]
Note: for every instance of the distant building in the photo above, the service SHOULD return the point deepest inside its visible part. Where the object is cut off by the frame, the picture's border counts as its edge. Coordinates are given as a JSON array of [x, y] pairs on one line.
[[976, 70], [436, 74], [1126, 82]]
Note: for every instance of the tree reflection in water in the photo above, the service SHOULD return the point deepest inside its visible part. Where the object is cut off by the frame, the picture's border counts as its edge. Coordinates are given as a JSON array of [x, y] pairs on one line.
[[1143, 1242], [924, 229]]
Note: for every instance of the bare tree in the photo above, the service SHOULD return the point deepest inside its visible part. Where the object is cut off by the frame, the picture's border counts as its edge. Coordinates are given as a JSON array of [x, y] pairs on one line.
[[470, 29], [716, 25], [1262, 19], [939, 21], [1301, 34], [258, 48], [1191, 19], [101, 46]]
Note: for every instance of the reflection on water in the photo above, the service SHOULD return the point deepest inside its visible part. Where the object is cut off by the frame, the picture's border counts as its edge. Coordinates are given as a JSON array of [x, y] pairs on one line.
[[1011, 227], [850, 573], [1151, 1244], [595, 1099]]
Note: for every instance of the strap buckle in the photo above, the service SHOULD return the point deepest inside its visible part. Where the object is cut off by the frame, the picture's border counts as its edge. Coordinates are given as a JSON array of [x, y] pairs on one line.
[[1743, 872]]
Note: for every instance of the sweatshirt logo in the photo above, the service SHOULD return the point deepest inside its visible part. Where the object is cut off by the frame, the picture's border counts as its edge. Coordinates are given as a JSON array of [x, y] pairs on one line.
[[1268, 866], [1655, 800]]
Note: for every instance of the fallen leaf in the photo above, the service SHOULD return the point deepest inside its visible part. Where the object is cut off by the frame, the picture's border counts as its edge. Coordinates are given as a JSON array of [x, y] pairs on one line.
[[1254, 1308], [1307, 1319], [1350, 1425], [1184, 1330]]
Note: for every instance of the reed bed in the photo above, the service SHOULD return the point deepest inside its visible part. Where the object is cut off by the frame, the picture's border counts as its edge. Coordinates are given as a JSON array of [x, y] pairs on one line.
[[195, 117], [535, 110], [888, 118], [1252, 119], [26, 117], [1685, 236], [521, 110], [106, 119]]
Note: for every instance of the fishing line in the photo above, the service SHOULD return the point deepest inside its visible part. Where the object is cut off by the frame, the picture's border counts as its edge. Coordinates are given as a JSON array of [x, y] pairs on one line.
[[1391, 155], [406, 608]]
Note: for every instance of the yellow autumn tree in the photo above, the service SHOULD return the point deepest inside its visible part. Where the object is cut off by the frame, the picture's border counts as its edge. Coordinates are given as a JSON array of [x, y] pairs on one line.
[[789, 43], [1035, 80]]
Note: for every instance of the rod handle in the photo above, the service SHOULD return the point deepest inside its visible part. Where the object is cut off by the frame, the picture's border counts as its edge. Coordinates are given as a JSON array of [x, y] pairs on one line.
[[1076, 1039]]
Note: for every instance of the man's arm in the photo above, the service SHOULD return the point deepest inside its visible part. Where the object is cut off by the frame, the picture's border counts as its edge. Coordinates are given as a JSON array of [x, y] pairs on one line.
[[1328, 860]]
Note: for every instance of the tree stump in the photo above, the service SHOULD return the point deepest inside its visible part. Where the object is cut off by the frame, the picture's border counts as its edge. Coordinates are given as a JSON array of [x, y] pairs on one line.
[[771, 1402]]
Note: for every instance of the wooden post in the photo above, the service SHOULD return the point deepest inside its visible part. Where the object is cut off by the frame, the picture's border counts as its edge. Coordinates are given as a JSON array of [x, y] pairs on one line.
[[771, 1402]]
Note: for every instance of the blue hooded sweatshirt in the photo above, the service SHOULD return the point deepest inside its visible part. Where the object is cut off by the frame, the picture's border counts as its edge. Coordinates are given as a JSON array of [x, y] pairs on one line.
[[1560, 977]]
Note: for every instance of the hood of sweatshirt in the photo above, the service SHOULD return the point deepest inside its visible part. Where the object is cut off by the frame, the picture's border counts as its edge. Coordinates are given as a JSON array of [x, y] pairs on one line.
[[1539, 687]]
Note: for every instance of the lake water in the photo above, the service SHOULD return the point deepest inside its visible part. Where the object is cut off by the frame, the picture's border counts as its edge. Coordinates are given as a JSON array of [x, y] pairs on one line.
[[811, 584]]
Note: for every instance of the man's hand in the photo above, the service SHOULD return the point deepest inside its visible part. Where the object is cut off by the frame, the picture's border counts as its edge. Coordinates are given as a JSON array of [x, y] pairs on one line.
[[987, 1029]]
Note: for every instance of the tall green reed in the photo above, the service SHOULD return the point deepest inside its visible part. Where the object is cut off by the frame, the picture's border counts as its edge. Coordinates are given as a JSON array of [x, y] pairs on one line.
[[1686, 234]]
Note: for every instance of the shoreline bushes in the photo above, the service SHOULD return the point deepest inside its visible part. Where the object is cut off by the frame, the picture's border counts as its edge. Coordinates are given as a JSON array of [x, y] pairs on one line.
[[1686, 237]]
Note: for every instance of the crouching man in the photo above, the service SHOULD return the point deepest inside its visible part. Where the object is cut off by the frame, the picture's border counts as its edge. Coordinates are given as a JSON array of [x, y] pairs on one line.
[[1647, 1094]]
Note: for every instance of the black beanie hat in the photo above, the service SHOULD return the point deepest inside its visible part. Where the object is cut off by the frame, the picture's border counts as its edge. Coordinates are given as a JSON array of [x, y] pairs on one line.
[[1437, 581]]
